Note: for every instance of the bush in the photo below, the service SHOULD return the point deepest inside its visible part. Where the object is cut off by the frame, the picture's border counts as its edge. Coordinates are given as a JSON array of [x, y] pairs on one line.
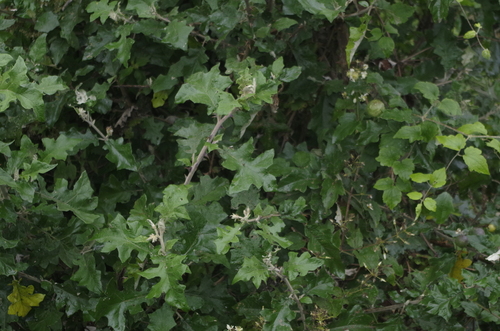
[[218, 165]]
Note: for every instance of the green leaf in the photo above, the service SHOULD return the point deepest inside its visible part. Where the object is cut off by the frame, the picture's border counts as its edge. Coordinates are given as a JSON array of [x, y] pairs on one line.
[[46, 22], [153, 130], [8, 267], [456, 142], [162, 319], [347, 124], [322, 241], [355, 239], [209, 189], [120, 154], [36, 167], [429, 90], [51, 84], [301, 265], [208, 89], [271, 230], [159, 99], [356, 36], [438, 178], [398, 115], [384, 184], [412, 133], [87, 274], [473, 128], [439, 9], [399, 13], [6, 179], [58, 149], [116, 304], [330, 191], [414, 195], [444, 207], [69, 296], [450, 107], [419, 177], [391, 150], [123, 47], [38, 49], [403, 168], [6, 23], [79, 200], [15, 86], [120, 237], [475, 161], [5, 59], [177, 34], [392, 197], [321, 7], [226, 235], [387, 45], [495, 144], [163, 82], [418, 210], [430, 204], [368, 257], [472, 309], [193, 136], [252, 269], [248, 170], [174, 199], [143, 8], [278, 318], [170, 270], [283, 23], [100, 9]]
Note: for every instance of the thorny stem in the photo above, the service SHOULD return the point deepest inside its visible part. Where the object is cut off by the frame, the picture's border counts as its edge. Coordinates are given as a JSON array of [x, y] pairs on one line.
[[210, 138]]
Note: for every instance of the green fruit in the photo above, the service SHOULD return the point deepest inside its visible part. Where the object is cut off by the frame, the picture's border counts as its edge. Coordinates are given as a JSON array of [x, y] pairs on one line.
[[375, 108], [492, 228]]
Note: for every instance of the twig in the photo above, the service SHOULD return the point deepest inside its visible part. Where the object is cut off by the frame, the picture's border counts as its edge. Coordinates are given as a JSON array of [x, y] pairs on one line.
[[210, 138], [394, 307], [296, 299], [429, 244], [66, 5], [29, 277], [423, 118], [85, 116]]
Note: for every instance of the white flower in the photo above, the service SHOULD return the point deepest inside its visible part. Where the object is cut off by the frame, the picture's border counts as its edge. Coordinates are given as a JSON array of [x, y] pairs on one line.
[[494, 257]]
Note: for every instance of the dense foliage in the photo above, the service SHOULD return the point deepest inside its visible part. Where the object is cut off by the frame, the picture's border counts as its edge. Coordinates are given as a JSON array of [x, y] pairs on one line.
[[249, 165]]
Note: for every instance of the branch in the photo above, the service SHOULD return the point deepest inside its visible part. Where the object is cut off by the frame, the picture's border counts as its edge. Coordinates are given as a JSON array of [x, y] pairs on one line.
[[203, 151], [29, 277], [394, 307], [85, 116], [296, 299]]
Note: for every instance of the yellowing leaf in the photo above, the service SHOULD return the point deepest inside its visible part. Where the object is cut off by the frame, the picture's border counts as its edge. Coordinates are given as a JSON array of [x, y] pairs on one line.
[[460, 263], [22, 299]]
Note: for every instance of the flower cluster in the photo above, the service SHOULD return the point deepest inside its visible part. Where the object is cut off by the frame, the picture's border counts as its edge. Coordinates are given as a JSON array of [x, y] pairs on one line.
[[356, 74]]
